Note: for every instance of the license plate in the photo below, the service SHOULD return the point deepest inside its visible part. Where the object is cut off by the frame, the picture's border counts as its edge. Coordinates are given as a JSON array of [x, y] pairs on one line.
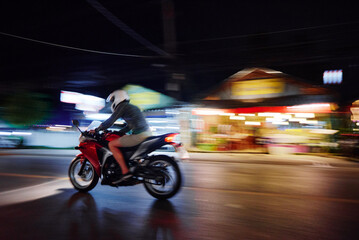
[[182, 152]]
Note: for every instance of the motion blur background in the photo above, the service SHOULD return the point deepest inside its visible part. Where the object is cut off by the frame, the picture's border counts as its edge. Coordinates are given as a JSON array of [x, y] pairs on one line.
[[243, 76]]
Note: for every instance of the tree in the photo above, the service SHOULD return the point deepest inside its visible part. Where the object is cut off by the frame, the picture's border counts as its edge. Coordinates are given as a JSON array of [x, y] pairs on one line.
[[26, 108]]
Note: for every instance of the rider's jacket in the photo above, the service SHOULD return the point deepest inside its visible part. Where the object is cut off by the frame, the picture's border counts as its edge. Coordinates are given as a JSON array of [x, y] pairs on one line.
[[131, 114]]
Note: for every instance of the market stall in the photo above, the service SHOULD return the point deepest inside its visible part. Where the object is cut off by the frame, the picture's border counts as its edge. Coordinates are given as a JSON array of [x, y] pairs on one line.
[[264, 110]]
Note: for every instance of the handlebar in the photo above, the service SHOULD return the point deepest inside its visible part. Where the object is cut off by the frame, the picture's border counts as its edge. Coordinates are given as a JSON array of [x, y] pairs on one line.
[[92, 135]]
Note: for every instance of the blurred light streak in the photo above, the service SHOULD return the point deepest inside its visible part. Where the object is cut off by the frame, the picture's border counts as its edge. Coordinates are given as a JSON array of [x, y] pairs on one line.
[[97, 116], [237, 118], [157, 121], [270, 119], [53, 128], [21, 133], [268, 114], [246, 114], [207, 112], [317, 107], [15, 133], [5, 133], [65, 126], [285, 116], [83, 102], [315, 122], [297, 119], [304, 115], [252, 123], [324, 131], [171, 127], [227, 114], [173, 112], [280, 123]]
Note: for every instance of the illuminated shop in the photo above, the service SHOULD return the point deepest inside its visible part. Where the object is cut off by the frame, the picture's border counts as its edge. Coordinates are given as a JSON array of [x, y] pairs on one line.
[[263, 110], [349, 137]]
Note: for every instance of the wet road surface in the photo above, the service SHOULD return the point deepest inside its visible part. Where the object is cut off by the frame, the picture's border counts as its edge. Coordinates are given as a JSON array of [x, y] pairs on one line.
[[245, 197]]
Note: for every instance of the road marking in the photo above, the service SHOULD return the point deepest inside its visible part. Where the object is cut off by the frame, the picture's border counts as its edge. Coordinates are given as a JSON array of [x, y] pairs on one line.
[[321, 164], [30, 176], [280, 195], [32, 193]]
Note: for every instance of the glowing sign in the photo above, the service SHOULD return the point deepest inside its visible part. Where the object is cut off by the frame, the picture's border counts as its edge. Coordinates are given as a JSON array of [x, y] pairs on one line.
[[83, 102], [146, 98], [333, 77], [257, 87]]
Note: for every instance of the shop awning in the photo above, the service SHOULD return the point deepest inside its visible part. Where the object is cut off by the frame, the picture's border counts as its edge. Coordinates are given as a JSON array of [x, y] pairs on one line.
[[146, 98]]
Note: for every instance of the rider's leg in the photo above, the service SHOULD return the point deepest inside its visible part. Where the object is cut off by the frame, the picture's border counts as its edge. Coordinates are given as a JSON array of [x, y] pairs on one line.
[[114, 145], [126, 141]]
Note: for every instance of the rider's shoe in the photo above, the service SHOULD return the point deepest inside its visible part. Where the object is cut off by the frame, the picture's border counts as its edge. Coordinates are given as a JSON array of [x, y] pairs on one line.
[[105, 181], [123, 178]]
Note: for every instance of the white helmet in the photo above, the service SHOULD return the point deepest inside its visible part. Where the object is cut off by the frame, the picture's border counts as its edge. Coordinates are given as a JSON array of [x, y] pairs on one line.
[[117, 97]]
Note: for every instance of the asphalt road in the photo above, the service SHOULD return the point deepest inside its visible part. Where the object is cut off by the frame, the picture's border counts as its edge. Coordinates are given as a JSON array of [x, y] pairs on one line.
[[224, 196]]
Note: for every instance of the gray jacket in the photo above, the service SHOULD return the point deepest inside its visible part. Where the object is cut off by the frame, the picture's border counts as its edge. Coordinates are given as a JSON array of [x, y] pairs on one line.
[[131, 114]]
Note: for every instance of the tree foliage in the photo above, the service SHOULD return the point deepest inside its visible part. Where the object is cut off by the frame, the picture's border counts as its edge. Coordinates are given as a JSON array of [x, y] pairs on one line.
[[25, 108]]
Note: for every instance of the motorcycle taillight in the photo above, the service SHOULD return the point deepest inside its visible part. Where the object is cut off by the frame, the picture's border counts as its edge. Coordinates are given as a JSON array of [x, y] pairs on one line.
[[170, 137]]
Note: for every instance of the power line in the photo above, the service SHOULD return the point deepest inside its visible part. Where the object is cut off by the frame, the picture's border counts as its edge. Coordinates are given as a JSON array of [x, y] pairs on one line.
[[267, 33], [115, 20], [76, 48]]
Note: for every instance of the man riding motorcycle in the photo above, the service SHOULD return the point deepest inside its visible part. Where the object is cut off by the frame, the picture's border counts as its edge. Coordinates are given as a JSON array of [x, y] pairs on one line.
[[136, 122]]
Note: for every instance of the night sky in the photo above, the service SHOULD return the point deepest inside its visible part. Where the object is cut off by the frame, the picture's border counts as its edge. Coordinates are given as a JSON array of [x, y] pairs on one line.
[[214, 39]]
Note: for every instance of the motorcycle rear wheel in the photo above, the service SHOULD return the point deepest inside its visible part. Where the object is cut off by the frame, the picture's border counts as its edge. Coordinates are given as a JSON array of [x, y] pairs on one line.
[[87, 180], [172, 178]]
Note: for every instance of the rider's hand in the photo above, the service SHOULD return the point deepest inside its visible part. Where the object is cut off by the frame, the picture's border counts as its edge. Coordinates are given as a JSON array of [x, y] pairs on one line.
[[92, 131]]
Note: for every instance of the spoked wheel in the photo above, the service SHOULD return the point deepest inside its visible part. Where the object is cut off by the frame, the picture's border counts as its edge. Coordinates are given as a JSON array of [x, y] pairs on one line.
[[168, 177], [85, 181]]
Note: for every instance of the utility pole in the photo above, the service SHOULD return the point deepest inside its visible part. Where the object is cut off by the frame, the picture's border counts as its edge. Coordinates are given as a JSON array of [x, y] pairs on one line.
[[175, 76]]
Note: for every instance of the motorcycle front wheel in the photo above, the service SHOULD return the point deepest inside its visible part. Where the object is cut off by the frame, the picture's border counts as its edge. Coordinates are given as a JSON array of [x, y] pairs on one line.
[[169, 177], [85, 181]]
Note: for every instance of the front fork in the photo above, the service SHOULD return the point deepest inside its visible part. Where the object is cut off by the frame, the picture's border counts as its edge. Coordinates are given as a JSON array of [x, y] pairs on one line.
[[83, 164]]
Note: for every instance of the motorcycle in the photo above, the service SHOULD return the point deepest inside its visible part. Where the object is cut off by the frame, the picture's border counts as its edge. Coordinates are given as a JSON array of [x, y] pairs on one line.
[[160, 174]]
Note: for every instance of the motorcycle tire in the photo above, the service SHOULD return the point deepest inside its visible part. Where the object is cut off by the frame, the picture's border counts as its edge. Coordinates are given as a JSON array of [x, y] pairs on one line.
[[173, 174], [88, 179]]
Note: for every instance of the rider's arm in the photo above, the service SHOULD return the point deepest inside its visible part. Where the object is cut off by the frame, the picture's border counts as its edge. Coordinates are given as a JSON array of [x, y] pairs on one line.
[[125, 129], [112, 119]]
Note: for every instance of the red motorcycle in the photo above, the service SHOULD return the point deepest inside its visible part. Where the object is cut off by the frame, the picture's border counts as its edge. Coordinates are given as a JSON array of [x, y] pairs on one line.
[[160, 174]]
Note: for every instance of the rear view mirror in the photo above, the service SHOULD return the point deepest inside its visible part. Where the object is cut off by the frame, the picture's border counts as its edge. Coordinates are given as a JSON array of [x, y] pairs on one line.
[[75, 122]]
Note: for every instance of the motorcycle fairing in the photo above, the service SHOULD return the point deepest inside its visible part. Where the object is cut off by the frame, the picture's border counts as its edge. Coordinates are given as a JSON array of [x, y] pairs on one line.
[[149, 145], [81, 156], [89, 149]]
